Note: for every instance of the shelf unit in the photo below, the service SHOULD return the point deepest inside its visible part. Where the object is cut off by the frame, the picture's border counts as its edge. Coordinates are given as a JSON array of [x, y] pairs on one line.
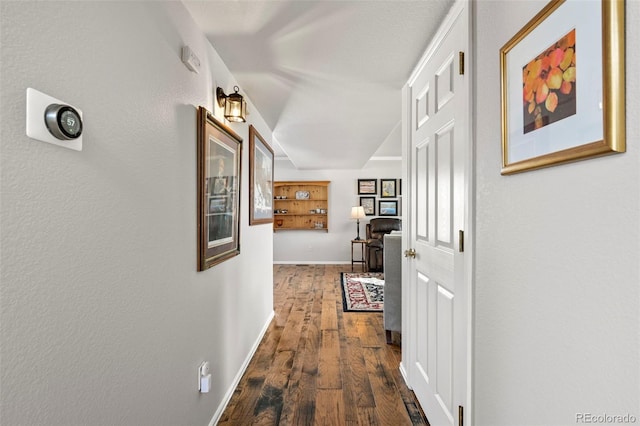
[[293, 211]]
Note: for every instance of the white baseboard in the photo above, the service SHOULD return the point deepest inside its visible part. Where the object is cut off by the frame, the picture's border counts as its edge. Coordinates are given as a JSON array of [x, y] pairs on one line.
[[403, 373], [311, 262], [243, 368]]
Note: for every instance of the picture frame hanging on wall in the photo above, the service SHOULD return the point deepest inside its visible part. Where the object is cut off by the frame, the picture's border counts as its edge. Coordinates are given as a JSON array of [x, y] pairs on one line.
[[367, 186], [260, 179], [219, 169], [387, 188], [388, 207], [369, 205], [559, 106]]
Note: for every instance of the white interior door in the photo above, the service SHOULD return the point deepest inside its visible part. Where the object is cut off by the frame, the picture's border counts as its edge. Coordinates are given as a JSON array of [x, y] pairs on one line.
[[439, 158]]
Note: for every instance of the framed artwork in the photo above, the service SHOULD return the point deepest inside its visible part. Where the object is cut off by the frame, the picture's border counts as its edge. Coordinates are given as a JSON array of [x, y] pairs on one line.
[[219, 161], [369, 205], [558, 106], [260, 179], [367, 186], [387, 188], [388, 208]]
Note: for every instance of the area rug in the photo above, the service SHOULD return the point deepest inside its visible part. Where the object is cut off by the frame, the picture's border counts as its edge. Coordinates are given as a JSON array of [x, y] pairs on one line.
[[362, 292]]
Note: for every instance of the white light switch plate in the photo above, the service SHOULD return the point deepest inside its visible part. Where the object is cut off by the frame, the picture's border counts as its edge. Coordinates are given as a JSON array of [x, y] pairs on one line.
[[37, 103]]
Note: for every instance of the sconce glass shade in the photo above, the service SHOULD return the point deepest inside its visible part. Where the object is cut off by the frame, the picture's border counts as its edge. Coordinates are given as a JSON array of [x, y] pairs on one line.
[[235, 107]]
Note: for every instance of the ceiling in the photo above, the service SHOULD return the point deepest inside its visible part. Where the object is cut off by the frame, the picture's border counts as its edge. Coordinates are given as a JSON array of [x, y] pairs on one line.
[[325, 75]]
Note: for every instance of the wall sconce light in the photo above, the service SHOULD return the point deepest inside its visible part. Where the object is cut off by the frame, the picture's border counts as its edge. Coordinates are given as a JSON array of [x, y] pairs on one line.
[[235, 107]]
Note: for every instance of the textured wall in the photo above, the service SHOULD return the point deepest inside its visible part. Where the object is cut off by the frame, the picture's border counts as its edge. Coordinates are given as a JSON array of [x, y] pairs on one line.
[[557, 286], [104, 318], [334, 246]]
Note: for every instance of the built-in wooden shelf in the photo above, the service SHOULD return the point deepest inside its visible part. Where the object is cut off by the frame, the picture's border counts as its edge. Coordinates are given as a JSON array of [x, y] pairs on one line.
[[301, 198]]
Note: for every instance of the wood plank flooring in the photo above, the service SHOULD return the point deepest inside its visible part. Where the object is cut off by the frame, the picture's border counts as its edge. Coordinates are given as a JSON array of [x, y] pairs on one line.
[[318, 365]]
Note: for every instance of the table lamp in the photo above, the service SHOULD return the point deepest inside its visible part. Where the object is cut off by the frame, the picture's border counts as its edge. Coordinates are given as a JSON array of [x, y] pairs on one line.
[[357, 213]]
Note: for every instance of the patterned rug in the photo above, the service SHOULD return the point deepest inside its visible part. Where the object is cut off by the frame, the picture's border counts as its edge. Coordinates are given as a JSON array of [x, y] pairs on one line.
[[362, 292]]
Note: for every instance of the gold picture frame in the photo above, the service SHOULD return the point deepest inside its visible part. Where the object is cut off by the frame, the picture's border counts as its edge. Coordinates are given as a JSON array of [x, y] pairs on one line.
[[219, 171], [544, 123]]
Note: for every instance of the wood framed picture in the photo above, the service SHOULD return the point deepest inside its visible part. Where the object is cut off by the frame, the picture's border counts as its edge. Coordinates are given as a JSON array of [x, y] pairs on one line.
[[219, 162], [260, 179], [388, 188], [559, 106], [388, 208], [367, 186], [369, 205]]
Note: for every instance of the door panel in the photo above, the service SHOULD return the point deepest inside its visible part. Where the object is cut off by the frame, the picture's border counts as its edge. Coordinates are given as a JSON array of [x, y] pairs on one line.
[[422, 350], [444, 83], [444, 185], [444, 347], [422, 192], [422, 107]]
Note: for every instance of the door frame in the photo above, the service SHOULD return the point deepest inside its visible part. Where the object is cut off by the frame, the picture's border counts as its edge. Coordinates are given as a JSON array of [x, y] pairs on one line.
[[409, 201]]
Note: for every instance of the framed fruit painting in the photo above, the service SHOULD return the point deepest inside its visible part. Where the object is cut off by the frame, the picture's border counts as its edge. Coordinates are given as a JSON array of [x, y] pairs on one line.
[[562, 86]]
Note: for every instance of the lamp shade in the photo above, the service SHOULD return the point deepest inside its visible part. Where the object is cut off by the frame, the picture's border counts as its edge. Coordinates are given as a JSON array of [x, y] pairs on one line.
[[357, 212]]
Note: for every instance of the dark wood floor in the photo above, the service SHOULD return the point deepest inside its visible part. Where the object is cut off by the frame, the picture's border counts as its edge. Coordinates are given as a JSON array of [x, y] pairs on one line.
[[318, 365]]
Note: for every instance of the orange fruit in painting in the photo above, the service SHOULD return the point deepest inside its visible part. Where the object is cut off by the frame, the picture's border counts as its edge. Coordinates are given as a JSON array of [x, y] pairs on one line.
[[541, 93], [527, 93], [554, 78], [545, 63], [568, 57], [535, 68], [552, 102], [570, 74], [566, 87], [568, 40], [571, 38], [556, 57]]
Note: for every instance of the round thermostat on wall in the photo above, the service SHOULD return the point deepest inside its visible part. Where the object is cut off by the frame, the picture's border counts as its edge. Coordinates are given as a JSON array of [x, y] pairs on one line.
[[63, 121]]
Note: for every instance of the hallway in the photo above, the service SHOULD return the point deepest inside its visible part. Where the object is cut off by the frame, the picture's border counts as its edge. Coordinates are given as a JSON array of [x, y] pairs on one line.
[[318, 365]]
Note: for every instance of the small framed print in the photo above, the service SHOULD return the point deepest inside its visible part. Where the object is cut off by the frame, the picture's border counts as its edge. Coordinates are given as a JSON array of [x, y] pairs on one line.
[[388, 208], [367, 187], [388, 188], [369, 205]]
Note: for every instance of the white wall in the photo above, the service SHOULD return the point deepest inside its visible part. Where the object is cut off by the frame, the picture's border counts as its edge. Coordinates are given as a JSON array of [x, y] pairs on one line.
[[557, 286], [333, 246], [104, 318]]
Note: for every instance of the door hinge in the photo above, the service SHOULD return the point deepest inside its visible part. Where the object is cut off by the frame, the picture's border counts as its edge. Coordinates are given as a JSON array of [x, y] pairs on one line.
[[461, 63], [460, 415], [461, 241]]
